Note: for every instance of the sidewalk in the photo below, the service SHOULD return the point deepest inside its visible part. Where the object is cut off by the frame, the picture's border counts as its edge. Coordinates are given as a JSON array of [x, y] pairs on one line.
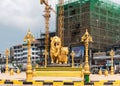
[[95, 80], [22, 76], [95, 77]]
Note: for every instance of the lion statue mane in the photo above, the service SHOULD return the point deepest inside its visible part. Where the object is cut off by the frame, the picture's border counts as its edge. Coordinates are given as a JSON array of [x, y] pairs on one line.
[[57, 52]]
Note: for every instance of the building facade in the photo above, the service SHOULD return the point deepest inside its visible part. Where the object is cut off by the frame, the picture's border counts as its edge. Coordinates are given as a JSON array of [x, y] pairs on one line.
[[100, 17], [35, 57], [3, 60], [16, 54], [19, 53], [42, 46]]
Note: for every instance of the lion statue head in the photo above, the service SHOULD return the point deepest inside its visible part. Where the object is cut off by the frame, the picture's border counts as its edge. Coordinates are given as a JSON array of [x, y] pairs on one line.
[[55, 42], [57, 52], [55, 49]]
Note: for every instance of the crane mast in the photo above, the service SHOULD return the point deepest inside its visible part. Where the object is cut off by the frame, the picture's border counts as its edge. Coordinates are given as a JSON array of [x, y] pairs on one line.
[[47, 17], [61, 21]]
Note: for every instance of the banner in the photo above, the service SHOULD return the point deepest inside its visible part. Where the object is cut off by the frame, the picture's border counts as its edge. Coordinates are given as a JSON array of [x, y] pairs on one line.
[[79, 51]]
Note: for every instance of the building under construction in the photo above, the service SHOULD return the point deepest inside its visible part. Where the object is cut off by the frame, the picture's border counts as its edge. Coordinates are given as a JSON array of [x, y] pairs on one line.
[[100, 17]]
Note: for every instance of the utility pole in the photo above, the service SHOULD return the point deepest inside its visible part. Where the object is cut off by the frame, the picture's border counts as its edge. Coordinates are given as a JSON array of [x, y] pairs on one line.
[[112, 53], [29, 38], [86, 38], [46, 56], [7, 54], [73, 56]]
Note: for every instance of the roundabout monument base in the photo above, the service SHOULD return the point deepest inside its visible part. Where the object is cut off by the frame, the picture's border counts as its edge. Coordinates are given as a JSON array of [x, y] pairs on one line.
[[58, 71]]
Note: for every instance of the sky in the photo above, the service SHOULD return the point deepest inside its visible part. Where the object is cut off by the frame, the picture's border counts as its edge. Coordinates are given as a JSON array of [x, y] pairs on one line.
[[16, 16]]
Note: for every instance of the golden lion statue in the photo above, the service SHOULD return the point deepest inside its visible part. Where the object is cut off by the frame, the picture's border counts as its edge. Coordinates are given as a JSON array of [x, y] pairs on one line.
[[57, 52]]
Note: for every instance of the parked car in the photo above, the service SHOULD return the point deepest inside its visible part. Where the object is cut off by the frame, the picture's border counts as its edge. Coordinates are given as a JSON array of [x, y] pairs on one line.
[[95, 69], [2, 69], [23, 68], [117, 69], [15, 69]]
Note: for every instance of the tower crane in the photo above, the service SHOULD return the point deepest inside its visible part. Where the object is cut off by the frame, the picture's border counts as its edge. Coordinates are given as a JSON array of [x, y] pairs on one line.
[[47, 16], [61, 21]]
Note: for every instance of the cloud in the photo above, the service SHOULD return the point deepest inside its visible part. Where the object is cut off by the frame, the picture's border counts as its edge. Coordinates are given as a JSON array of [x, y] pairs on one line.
[[21, 14], [16, 16]]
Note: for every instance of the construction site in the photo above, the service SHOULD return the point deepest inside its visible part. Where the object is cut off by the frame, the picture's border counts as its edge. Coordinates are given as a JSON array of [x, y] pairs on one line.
[[100, 17]]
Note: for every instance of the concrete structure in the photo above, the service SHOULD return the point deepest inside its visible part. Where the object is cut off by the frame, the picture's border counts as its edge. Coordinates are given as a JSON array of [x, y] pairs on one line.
[[19, 53], [2, 60], [100, 17], [104, 57], [42, 46], [34, 52], [16, 53]]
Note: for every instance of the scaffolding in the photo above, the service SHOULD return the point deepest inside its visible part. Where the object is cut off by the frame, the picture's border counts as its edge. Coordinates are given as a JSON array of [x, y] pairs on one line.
[[100, 17]]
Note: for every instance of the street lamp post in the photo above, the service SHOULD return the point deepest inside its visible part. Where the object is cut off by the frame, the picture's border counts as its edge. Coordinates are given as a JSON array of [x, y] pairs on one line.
[[3, 62], [112, 53], [46, 55], [86, 38], [29, 38], [73, 55], [6, 53]]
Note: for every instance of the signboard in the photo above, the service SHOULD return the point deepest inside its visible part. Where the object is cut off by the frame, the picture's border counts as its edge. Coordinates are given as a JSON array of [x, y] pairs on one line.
[[108, 63], [99, 54], [79, 51]]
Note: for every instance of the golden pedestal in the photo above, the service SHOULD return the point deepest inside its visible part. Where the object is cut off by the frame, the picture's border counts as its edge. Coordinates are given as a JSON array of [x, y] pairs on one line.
[[18, 71], [73, 55], [81, 66], [86, 69], [36, 66], [6, 53], [29, 38], [112, 71], [58, 71], [112, 53], [29, 73], [106, 72], [100, 72], [34, 73], [82, 71], [81, 74], [11, 72], [6, 69], [86, 38]]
